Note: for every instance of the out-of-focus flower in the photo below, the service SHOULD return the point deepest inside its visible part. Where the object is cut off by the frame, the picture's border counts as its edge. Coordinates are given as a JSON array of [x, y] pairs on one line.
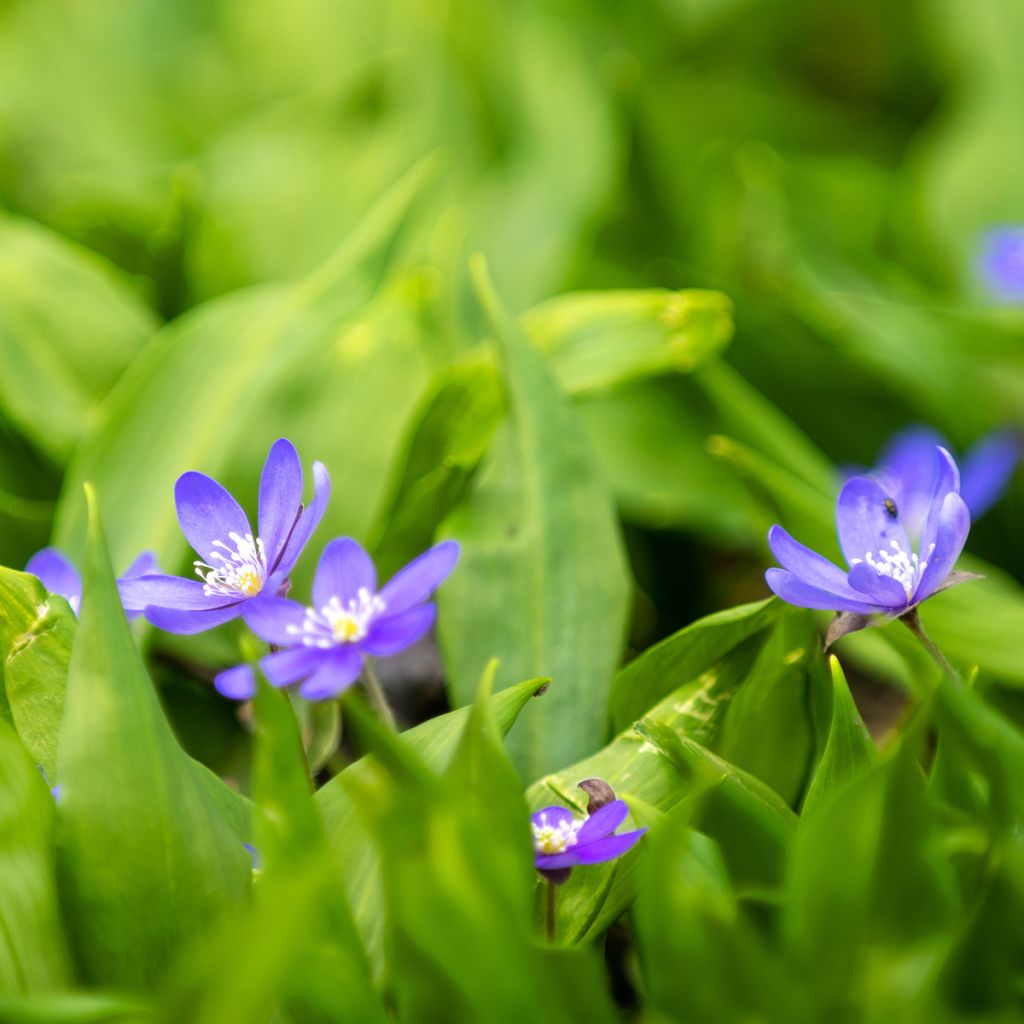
[[1001, 263], [886, 574], [561, 841], [909, 467], [236, 567], [54, 570], [325, 643]]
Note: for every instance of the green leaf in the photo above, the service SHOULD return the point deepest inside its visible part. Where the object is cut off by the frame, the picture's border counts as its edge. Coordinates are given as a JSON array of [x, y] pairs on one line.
[[74, 1008], [542, 583], [598, 340], [146, 858], [434, 742], [849, 750], [684, 656], [36, 633], [52, 295], [33, 951]]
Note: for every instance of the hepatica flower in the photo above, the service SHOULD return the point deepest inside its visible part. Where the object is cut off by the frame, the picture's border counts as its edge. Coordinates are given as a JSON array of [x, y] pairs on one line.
[[893, 565], [1001, 264], [54, 570], [561, 841], [324, 644], [236, 567]]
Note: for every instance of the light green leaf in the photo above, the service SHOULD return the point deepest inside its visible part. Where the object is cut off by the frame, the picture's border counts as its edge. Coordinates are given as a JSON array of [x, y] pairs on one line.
[[598, 340], [146, 858], [33, 951], [74, 1008], [542, 583]]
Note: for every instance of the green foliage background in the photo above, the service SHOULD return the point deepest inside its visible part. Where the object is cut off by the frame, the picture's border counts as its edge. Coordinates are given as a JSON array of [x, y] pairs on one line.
[[602, 291]]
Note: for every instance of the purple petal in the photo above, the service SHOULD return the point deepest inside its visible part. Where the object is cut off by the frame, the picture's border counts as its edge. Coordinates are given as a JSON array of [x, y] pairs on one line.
[[238, 683], [344, 569], [908, 470], [144, 565], [987, 469], [603, 822], [421, 577], [57, 575], [608, 848], [280, 498], [1001, 263], [954, 523], [207, 513], [883, 590], [272, 618], [808, 565], [339, 670], [947, 479], [864, 522], [167, 592], [554, 816], [792, 589], [177, 620], [282, 668], [393, 633], [307, 522]]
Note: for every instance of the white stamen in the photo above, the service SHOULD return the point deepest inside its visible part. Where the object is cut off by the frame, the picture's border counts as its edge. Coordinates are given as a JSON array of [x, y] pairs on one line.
[[234, 571], [906, 569], [336, 623], [555, 838]]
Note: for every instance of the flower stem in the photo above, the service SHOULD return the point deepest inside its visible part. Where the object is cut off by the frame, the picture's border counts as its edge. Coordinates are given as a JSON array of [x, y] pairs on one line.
[[551, 912], [377, 698], [913, 622]]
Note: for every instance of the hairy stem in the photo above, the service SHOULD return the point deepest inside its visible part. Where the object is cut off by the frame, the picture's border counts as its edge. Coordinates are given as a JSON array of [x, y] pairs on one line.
[[377, 698], [913, 622], [550, 931]]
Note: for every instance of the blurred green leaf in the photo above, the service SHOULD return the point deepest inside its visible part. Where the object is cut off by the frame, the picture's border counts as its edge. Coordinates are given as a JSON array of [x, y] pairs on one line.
[[598, 340], [53, 295], [36, 633], [146, 858], [74, 1008], [33, 950], [542, 583]]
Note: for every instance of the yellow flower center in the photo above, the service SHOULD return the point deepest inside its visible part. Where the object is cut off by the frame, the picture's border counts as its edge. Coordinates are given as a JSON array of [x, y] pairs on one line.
[[555, 838], [346, 628], [249, 582]]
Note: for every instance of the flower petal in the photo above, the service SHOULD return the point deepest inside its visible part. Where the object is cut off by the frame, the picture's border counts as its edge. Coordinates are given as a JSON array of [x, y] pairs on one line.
[[806, 564], [167, 592], [554, 816], [280, 498], [282, 668], [178, 620], [393, 633], [144, 565], [603, 822], [908, 470], [420, 578], [883, 590], [307, 522], [865, 523], [58, 575], [987, 469], [207, 512], [792, 589], [947, 479], [344, 569], [338, 671], [238, 683], [608, 848], [954, 523], [277, 620]]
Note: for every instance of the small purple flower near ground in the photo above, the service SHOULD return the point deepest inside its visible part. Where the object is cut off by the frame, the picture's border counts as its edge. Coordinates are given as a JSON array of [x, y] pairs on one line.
[[54, 570], [562, 841], [908, 469], [236, 567], [1001, 263], [886, 574], [326, 642]]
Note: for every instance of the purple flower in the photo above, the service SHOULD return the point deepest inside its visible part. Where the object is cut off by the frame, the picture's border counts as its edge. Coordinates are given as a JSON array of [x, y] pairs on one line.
[[236, 567], [886, 573], [1001, 263], [562, 841], [55, 571], [325, 643], [908, 470]]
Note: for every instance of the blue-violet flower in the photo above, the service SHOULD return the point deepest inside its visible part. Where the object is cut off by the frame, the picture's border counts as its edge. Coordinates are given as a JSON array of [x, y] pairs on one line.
[[1001, 263], [561, 841], [54, 570], [236, 568], [325, 643]]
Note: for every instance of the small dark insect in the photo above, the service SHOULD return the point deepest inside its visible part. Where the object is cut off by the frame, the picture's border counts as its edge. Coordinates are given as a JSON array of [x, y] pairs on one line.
[[890, 507]]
